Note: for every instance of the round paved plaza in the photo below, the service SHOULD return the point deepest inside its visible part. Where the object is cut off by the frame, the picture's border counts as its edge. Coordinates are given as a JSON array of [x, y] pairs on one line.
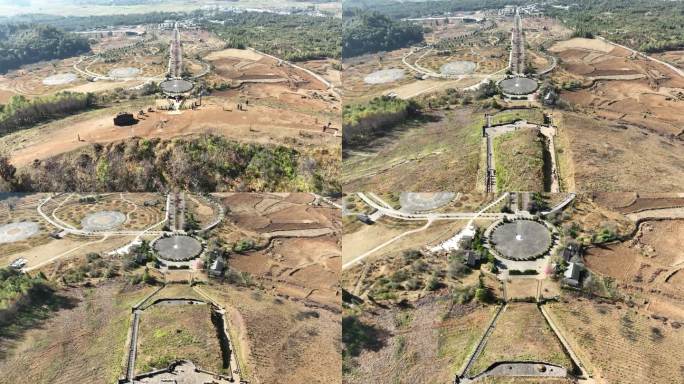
[[10, 233], [518, 86], [124, 72], [456, 68], [175, 87], [521, 239], [415, 202], [178, 248], [60, 78], [384, 76], [103, 221]]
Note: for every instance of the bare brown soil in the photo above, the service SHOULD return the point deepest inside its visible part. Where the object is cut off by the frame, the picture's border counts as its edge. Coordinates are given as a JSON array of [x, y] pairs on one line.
[[645, 203], [255, 125], [651, 103], [238, 66], [298, 247], [619, 262]]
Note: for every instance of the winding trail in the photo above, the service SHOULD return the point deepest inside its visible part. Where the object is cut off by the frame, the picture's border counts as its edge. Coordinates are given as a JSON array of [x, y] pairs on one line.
[[318, 77], [135, 207]]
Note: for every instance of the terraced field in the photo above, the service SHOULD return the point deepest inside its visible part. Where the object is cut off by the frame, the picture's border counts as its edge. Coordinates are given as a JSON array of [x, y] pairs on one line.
[[621, 344]]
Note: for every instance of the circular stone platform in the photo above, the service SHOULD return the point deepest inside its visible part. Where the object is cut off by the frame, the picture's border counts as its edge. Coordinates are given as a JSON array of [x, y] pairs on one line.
[[178, 248], [518, 86], [124, 72], [521, 239], [176, 86], [10, 233], [60, 78], [458, 68], [103, 221], [385, 76], [414, 202]]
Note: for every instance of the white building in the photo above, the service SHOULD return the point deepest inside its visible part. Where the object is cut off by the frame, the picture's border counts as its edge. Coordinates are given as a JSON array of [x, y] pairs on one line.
[[572, 274]]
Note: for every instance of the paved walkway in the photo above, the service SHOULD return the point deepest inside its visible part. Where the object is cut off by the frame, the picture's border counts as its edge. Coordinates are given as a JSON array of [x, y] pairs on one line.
[[360, 258], [519, 369], [561, 205], [664, 213], [397, 214], [184, 373]]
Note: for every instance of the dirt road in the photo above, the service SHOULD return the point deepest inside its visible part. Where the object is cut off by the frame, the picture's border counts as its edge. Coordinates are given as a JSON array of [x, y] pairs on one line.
[[257, 125]]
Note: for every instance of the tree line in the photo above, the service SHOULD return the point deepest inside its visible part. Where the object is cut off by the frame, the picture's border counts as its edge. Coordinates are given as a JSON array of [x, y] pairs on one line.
[[21, 113], [293, 37], [644, 25], [204, 163], [362, 122], [369, 32], [290, 37], [407, 9], [25, 44], [14, 285]]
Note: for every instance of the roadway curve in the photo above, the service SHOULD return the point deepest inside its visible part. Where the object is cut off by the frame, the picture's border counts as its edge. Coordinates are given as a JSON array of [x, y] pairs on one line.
[[391, 212], [320, 78], [672, 67], [385, 209]]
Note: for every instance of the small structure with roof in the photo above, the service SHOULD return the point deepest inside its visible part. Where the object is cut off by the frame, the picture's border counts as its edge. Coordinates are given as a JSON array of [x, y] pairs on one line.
[[364, 219], [472, 258], [572, 275], [217, 267], [123, 119], [571, 252]]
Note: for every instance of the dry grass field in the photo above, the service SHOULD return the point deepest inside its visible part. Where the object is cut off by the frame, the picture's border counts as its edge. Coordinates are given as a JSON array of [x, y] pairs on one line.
[[519, 161], [389, 275], [80, 334], [613, 157], [521, 334], [426, 343], [171, 332], [282, 340], [398, 161]]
